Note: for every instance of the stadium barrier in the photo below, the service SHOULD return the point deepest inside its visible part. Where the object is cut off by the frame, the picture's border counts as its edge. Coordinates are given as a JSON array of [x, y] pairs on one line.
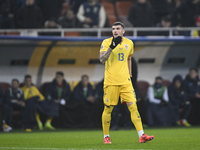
[[100, 32]]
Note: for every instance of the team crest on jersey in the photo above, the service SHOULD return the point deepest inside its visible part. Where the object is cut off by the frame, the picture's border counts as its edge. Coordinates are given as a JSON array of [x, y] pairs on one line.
[[102, 46], [107, 100], [126, 46]]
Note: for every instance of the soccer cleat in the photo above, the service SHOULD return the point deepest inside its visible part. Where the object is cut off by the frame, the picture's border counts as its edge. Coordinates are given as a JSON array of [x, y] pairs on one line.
[[6, 128], [185, 123], [28, 130], [179, 122], [144, 138], [49, 126], [107, 140], [40, 126]]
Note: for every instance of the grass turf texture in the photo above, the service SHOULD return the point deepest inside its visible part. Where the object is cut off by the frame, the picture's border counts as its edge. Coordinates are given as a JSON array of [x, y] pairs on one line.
[[165, 139]]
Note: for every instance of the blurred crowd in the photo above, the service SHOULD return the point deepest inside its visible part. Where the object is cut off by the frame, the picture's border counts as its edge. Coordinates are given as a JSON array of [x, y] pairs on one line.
[[27, 14], [176, 103]]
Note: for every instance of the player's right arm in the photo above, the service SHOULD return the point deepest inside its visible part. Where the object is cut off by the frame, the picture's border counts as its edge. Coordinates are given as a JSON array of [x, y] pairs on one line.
[[106, 48], [105, 55]]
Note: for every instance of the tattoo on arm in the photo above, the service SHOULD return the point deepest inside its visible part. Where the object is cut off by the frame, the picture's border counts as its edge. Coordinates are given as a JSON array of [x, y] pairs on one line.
[[105, 56]]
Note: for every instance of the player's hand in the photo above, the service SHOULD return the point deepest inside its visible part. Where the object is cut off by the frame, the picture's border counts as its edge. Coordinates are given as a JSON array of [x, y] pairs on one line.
[[115, 42], [163, 102], [88, 20]]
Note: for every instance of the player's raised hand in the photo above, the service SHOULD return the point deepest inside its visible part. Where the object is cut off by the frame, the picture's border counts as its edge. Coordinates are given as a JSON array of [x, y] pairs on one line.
[[115, 42]]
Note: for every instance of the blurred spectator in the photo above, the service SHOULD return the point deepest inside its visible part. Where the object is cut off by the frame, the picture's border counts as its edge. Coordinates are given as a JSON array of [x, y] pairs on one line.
[[84, 91], [161, 8], [68, 20], [75, 4], [4, 108], [14, 98], [192, 84], [92, 14], [196, 33], [6, 14], [177, 96], [50, 8], [29, 16], [174, 14], [141, 15], [165, 23], [19, 4], [157, 109], [35, 102], [58, 91], [187, 10], [51, 24]]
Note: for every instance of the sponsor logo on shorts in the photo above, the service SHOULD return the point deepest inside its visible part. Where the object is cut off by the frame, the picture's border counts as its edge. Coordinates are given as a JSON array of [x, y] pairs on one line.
[[102, 46]]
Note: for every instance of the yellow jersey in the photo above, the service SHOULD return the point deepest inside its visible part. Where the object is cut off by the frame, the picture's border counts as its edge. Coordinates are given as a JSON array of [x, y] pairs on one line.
[[116, 67], [31, 92]]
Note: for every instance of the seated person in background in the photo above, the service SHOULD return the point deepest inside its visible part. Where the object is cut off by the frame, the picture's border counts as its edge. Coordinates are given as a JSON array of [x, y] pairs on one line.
[[177, 96], [36, 101], [59, 90], [14, 98], [192, 84], [68, 19], [157, 108], [92, 14], [84, 91]]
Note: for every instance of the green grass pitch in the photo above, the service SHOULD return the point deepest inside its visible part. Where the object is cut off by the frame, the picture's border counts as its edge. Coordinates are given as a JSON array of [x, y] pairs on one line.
[[165, 139]]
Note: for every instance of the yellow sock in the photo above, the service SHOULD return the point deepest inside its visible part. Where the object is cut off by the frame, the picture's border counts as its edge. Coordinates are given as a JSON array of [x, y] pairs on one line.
[[5, 125], [135, 117], [106, 118], [37, 116], [49, 119]]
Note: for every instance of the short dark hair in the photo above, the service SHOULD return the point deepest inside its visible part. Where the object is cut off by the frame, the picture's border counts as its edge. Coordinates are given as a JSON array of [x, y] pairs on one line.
[[84, 76], [159, 78], [27, 76], [195, 69], [15, 80], [119, 23], [60, 73]]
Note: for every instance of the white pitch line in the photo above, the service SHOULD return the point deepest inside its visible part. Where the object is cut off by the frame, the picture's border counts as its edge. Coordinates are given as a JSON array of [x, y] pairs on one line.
[[38, 148]]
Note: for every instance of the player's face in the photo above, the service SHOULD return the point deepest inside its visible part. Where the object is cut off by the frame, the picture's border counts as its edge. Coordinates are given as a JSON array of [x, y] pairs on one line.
[[15, 84], [117, 31], [193, 74], [59, 79], [85, 81], [28, 82], [177, 84], [159, 81]]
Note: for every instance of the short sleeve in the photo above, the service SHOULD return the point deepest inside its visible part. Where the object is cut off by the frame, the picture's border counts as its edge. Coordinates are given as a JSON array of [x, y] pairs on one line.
[[132, 49], [104, 46]]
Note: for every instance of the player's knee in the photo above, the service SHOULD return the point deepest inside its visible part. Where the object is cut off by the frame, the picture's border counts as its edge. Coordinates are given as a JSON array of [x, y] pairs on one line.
[[132, 107], [108, 109]]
